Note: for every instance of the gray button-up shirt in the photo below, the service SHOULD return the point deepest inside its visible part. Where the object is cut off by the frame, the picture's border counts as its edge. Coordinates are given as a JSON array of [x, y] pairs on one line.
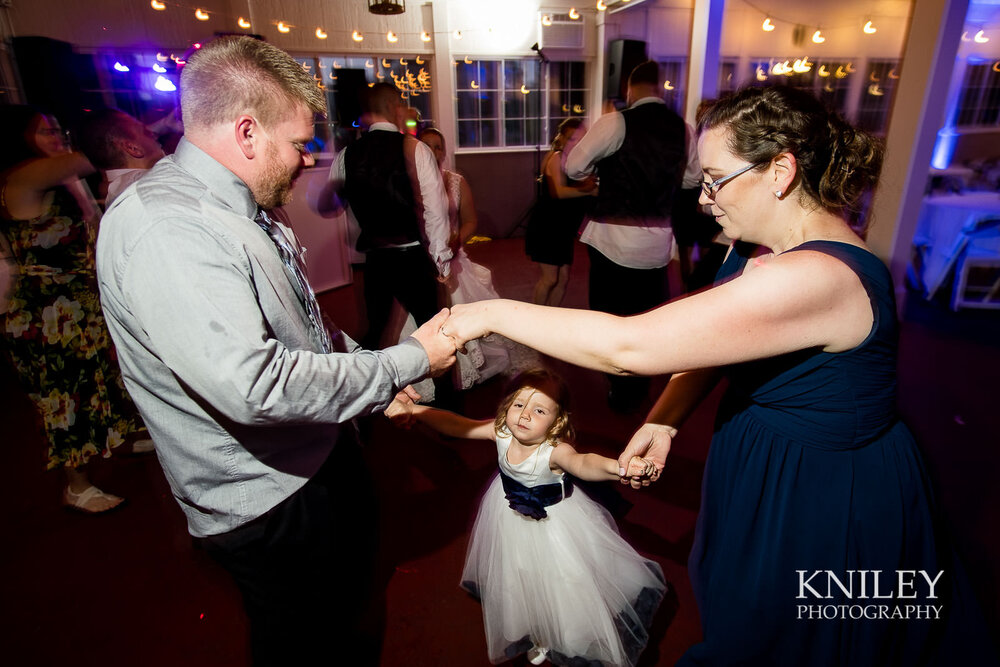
[[217, 349]]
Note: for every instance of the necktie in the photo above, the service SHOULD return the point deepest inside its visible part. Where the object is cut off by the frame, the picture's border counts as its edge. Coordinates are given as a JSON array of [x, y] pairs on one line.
[[292, 259]]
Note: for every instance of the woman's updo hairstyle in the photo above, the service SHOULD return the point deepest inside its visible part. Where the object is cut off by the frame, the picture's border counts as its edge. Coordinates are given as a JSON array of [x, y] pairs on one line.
[[837, 163]]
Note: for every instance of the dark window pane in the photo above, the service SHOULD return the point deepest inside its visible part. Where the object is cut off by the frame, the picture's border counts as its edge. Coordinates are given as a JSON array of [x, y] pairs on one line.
[[468, 133], [488, 105], [468, 105], [490, 131], [514, 105], [514, 132]]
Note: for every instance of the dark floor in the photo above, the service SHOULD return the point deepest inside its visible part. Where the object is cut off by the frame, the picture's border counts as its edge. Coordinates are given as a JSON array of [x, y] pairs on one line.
[[128, 589]]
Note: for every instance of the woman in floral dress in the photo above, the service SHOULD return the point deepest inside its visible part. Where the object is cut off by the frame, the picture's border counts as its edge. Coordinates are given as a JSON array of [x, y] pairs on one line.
[[53, 329]]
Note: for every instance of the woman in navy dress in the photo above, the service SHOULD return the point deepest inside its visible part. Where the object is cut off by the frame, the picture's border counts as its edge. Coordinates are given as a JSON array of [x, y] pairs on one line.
[[816, 542]]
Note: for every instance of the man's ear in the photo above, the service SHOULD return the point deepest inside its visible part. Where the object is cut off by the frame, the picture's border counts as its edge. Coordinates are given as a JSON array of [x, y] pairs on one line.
[[248, 134], [132, 149]]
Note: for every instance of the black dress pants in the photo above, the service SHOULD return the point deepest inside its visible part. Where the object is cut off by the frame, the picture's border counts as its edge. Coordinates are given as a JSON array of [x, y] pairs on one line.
[[620, 290], [306, 568], [405, 274]]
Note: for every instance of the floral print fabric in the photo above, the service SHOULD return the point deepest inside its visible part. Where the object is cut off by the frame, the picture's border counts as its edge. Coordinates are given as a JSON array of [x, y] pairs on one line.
[[57, 339]]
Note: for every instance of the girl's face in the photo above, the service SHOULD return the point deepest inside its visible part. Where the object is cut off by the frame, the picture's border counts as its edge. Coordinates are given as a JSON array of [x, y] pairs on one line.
[[48, 138], [531, 415], [436, 145]]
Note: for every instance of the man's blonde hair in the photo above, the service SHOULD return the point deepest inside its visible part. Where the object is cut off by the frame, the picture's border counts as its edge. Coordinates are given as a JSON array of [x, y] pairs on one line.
[[239, 75]]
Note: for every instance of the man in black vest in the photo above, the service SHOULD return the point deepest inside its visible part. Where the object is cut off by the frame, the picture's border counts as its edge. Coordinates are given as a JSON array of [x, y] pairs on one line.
[[641, 155], [394, 189]]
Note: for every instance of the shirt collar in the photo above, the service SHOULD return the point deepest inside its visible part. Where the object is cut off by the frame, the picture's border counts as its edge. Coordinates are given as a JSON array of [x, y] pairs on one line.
[[383, 125], [225, 186], [647, 100]]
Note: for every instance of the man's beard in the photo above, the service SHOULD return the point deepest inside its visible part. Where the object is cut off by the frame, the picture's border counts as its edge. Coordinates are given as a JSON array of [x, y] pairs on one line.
[[274, 188]]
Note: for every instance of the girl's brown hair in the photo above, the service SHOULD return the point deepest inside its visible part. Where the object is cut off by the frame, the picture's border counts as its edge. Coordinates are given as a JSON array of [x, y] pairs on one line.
[[547, 382]]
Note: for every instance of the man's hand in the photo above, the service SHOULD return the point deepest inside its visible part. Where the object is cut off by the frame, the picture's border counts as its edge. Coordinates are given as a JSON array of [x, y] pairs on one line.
[[440, 348], [466, 322], [652, 442]]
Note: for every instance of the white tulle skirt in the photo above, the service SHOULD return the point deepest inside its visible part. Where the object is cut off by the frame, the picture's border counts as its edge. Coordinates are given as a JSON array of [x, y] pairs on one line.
[[568, 583]]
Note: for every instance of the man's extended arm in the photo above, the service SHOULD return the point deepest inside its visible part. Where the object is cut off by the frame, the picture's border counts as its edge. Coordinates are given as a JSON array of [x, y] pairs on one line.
[[602, 140]]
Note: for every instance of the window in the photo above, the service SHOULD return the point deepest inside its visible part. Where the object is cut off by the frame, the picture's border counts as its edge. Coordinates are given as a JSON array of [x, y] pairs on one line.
[[876, 97], [672, 72], [567, 94], [345, 77], [501, 103], [979, 99], [142, 84], [728, 81]]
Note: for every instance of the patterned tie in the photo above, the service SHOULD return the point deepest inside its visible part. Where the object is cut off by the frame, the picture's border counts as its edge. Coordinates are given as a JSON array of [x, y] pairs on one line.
[[292, 259]]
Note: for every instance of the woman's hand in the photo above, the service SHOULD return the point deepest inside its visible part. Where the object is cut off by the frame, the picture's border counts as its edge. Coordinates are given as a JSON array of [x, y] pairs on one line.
[[467, 322], [400, 411], [652, 442]]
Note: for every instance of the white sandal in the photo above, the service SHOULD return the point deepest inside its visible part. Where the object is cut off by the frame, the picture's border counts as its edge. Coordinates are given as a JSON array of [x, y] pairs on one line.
[[81, 502]]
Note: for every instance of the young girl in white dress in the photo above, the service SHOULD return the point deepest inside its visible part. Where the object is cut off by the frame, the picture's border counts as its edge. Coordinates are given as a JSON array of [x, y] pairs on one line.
[[555, 578]]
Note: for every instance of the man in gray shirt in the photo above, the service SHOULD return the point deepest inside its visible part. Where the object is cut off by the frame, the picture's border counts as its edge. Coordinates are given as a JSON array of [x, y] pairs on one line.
[[247, 395]]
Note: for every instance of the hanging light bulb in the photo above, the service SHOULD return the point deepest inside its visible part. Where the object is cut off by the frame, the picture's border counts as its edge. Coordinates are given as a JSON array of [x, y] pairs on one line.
[[164, 84], [601, 6], [667, 85], [282, 28], [869, 28], [320, 34], [369, 64], [120, 67], [157, 67], [981, 38], [546, 20], [385, 63], [760, 74], [468, 60], [425, 37], [573, 14], [157, 5], [357, 36], [404, 61], [767, 26], [823, 71], [524, 89], [420, 61], [162, 58], [391, 37], [475, 86], [200, 15], [243, 23], [818, 37]]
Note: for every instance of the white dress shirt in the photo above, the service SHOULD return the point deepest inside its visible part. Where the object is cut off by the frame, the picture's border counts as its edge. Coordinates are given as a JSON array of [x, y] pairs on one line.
[[436, 231], [636, 246]]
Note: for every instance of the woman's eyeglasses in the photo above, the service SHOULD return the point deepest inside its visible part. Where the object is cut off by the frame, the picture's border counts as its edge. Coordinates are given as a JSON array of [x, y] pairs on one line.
[[711, 189]]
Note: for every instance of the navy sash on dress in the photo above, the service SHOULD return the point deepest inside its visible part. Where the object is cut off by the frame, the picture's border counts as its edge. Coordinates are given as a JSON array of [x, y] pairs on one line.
[[531, 501]]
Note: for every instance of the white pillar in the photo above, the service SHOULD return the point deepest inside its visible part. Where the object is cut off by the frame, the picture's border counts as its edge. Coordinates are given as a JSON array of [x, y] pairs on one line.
[[443, 79], [918, 112], [703, 63]]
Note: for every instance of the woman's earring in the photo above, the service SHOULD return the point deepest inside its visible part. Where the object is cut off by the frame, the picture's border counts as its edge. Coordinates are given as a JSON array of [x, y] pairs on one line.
[[778, 193]]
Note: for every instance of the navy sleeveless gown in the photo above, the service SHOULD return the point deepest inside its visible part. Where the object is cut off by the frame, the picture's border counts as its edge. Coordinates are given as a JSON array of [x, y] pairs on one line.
[[812, 480]]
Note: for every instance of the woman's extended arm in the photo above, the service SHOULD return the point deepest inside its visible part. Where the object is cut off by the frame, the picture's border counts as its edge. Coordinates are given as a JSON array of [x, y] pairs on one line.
[[26, 184], [792, 302], [557, 180]]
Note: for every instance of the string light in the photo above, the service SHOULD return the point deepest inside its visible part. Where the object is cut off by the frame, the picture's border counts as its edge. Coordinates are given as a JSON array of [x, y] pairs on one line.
[[320, 34], [981, 38], [524, 89], [767, 26], [869, 28], [391, 37], [243, 23], [667, 85], [818, 38], [468, 60], [420, 61], [357, 36], [162, 58], [546, 20], [200, 15], [283, 28], [425, 37], [385, 63], [823, 71], [157, 67], [120, 67], [573, 14], [158, 6], [164, 84], [601, 6]]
